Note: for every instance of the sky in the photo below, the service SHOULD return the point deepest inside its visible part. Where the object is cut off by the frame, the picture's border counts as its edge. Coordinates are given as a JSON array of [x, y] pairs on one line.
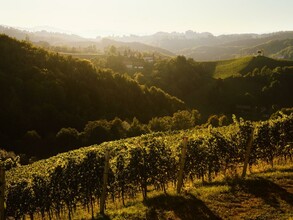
[[91, 18]]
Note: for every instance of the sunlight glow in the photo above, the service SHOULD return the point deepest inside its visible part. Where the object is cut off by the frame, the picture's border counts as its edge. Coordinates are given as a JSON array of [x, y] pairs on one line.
[[103, 17]]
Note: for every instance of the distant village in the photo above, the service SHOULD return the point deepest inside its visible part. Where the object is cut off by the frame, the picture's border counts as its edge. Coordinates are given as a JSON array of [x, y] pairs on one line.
[[139, 64]]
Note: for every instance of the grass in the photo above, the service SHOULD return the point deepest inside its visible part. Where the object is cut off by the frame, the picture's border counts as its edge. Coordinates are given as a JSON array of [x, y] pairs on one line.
[[240, 66], [228, 68]]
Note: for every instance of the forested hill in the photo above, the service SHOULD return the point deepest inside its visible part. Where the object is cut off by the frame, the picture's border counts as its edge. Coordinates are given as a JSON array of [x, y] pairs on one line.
[[44, 92], [275, 48], [252, 87]]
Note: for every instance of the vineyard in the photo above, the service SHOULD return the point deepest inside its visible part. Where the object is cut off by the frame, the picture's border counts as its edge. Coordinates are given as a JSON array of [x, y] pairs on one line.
[[69, 180]]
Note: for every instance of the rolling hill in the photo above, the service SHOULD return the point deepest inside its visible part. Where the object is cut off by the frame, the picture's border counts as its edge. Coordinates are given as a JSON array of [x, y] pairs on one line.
[[222, 86], [241, 66], [229, 47], [43, 92], [274, 48], [199, 46], [47, 39], [206, 47], [271, 44], [142, 168]]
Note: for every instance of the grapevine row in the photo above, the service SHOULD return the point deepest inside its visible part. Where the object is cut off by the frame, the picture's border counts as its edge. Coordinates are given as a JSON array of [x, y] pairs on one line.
[[62, 183]]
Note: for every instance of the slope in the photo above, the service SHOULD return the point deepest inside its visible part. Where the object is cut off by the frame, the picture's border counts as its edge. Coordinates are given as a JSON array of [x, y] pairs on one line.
[[274, 48], [219, 87], [233, 46], [150, 163], [47, 39], [45, 92], [228, 68], [286, 53], [241, 66], [206, 53], [270, 47]]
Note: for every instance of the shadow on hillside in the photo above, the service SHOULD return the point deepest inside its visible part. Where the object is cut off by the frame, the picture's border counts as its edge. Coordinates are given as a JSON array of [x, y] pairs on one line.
[[265, 189], [286, 170], [102, 217], [213, 183], [259, 62], [282, 170], [184, 207]]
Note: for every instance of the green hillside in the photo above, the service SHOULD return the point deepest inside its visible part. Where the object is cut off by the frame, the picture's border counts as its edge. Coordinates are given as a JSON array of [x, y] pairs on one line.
[[45, 95], [286, 53], [261, 61], [228, 68], [241, 66], [43, 92], [270, 48], [222, 87], [216, 52]]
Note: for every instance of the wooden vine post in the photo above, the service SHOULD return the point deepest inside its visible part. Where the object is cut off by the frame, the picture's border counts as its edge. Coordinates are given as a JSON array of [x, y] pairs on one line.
[[105, 183], [247, 153], [181, 165], [2, 192]]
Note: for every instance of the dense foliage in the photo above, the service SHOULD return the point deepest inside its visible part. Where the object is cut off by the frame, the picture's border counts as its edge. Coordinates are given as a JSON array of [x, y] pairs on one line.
[[52, 103], [252, 87], [58, 184], [8, 159], [44, 92]]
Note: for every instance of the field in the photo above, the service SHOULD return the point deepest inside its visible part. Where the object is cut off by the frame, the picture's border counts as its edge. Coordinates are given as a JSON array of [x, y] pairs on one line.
[[228, 68], [236, 67]]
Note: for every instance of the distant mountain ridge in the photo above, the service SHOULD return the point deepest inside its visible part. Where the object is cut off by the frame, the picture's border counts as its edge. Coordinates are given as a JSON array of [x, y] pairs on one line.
[[243, 46], [205, 46], [71, 40], [200, 46]]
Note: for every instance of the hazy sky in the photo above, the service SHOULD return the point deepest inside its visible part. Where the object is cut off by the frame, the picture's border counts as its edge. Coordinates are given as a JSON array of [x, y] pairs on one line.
[[103, 17]]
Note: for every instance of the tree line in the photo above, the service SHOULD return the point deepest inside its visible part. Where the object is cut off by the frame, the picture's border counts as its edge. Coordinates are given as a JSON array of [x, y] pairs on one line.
[[98, 131], [262, 87]]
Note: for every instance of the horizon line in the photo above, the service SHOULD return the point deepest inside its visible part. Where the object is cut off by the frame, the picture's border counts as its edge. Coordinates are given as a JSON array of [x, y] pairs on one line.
[[118, 34]]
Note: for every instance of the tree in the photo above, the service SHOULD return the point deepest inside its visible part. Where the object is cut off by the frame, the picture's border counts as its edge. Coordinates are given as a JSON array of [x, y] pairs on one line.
[[160, 124], [118, 129], [223, 120], [68, 138], [32, 142], [136, 128], [213, 120], [182, 120], [97, 132]]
